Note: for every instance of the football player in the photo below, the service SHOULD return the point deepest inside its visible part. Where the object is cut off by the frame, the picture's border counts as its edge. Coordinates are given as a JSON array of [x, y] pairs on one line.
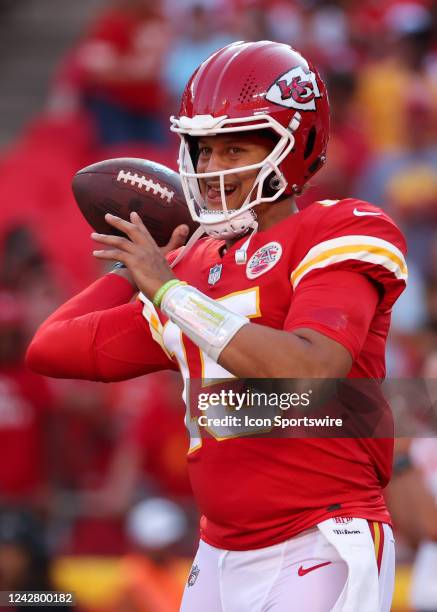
[[287, 524]]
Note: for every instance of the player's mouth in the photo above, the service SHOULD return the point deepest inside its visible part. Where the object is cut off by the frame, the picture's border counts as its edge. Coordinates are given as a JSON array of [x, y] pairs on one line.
[[214, 195]]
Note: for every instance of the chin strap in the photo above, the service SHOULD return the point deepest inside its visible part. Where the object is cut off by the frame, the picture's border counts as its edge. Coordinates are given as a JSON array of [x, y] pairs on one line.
[[241, 253], [194, 238]]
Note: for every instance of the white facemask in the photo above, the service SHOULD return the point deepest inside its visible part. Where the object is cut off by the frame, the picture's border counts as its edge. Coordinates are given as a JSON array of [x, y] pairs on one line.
[[229, 223]]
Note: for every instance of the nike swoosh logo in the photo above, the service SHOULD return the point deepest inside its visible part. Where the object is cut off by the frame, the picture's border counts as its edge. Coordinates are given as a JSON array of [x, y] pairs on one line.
[[301, 571], [365, 213]]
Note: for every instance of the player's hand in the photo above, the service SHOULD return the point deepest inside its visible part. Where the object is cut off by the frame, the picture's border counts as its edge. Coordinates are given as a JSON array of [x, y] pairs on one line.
[[139, 252]]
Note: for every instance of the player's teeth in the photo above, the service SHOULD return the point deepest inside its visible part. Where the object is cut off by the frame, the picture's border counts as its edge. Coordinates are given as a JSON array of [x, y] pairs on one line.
[[217, 187]]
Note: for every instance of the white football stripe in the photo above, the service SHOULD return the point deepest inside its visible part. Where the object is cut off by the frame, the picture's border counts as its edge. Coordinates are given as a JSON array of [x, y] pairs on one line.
[[363, 248]]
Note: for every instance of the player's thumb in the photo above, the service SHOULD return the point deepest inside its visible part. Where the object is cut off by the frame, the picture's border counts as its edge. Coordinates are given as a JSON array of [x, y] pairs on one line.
[[178, 238]]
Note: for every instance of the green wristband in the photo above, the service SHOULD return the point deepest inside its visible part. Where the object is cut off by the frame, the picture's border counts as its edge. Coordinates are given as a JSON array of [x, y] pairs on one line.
[[157, 298]]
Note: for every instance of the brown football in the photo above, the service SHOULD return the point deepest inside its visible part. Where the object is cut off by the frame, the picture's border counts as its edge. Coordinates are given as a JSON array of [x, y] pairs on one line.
[[127, 184]]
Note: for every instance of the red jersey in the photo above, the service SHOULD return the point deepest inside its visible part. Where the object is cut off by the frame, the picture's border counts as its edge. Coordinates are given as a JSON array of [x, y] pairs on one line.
[[337, 267]]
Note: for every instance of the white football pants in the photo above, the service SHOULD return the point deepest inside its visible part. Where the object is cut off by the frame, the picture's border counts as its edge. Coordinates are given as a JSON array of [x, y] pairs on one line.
[[343, 565]]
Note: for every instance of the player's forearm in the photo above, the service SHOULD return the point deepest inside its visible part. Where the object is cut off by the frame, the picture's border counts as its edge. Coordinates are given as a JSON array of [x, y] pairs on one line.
[[249, 350], [107, 292], [63, 346], [62, 349], [257, 351]]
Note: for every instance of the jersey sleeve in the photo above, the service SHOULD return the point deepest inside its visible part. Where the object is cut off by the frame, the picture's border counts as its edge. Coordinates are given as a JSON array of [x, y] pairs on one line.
[[354, 236], [336, 303], [99, 335]]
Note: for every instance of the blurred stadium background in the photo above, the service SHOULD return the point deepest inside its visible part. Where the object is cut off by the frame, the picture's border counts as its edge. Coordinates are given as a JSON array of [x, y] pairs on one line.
[[94, 496]]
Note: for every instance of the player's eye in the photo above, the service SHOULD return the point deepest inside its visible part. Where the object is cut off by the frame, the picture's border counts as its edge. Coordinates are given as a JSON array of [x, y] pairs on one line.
[[204, 151], [235, 150]]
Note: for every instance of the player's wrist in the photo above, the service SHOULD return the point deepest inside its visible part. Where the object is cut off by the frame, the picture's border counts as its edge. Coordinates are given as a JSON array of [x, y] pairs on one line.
[[205, 321], [119, 269], [160, 293], [119, 265]]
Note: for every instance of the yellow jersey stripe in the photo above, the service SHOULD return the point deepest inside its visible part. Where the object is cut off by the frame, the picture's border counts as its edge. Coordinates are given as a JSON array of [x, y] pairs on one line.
[[377, 540], [362, 252]]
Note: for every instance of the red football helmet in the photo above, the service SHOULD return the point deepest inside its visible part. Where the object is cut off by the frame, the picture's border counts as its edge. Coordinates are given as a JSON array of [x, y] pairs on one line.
[[254, 86]]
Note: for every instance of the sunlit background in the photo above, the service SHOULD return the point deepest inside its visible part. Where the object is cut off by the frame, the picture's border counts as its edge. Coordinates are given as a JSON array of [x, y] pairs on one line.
[[93, 487]]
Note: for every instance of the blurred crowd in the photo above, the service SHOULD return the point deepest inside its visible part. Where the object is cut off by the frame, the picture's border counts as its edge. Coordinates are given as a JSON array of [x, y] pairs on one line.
[[93, 470]]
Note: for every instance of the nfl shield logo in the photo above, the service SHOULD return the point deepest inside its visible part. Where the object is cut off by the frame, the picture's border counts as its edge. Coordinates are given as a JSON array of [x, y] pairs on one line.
[[214, 274]]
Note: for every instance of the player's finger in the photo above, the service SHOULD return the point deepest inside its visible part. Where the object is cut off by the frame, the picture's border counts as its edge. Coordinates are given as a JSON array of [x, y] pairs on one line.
[[133, 231], [177, 239], [138, 222], [115, 241], [111, 255]]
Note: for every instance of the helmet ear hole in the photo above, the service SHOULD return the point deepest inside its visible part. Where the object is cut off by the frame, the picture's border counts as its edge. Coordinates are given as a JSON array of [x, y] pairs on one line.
[[275, 183], [309, 147], [271, 186]]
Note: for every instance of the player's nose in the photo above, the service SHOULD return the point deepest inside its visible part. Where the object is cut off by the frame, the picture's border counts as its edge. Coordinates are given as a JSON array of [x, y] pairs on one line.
[[214, 162]]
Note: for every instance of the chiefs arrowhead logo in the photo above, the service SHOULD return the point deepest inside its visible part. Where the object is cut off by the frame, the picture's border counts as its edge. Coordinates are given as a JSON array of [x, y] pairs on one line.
[[295, 89], [263, 259]]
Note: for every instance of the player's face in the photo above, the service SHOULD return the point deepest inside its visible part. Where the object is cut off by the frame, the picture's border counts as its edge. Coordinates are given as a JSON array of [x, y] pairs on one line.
[[224, 152]]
